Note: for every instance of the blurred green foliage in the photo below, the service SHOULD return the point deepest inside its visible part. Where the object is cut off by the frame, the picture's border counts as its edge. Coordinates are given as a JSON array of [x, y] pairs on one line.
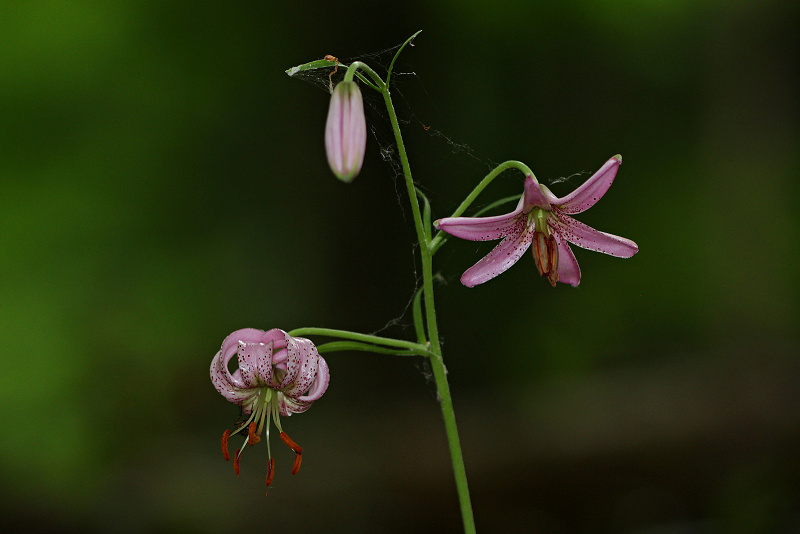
[[164, 183]]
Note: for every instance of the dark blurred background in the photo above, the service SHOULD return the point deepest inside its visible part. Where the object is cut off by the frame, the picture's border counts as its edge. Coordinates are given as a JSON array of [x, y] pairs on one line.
[[164, 183]]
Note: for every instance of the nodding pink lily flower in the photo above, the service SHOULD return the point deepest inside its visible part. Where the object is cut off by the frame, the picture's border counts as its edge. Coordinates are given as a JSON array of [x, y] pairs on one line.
[[346, 131], [277, 375], [543, 220]]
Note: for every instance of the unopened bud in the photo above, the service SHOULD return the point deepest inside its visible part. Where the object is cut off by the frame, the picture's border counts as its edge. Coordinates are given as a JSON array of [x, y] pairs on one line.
[[346, 131]]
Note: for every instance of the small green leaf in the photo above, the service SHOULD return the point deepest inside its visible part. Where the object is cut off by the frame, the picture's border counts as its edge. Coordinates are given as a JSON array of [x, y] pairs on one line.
[[317, 64]]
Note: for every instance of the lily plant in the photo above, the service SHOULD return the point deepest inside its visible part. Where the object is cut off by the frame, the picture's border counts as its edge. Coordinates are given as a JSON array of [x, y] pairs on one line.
[[280, 373]]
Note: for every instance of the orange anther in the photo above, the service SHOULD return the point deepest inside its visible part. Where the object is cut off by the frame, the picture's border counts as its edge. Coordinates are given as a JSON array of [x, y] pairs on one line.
[[298, 458], [292, 445], [236, 459], [225, 436], [270, 471], [252, 437]]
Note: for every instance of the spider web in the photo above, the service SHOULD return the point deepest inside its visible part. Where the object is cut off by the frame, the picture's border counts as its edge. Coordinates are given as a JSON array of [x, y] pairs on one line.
[[403, 80], [325, 78]]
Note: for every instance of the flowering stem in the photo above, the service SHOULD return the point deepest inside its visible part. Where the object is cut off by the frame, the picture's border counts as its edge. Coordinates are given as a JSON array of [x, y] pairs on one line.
[[437, 364]]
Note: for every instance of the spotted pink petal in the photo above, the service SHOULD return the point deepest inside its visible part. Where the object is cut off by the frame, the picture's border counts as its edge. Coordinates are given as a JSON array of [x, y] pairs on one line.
[[252, 358], [501, 258], [230, 347], [569, 272], [482, 228], [220, 378], [309, 363], [587, 237], [263, 365], [305, 378], [294, 354], [288, 406], [592, 190], [533, 196], [320, 384]]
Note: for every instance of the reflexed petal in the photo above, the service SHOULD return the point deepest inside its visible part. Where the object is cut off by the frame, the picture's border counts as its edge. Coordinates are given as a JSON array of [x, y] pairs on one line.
[[500, 259], [254, 357], [304, 375], [263, 368], [288, 406], [592, 190], [309, 363], [279, 358], [277, 336], [295, 352], [320, 385], [568, 270], [482, 228], [587, 237], [230, 346], [220, 380]]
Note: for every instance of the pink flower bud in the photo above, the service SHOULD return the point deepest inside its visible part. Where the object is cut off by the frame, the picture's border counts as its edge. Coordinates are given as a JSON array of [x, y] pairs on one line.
[[346, 131]]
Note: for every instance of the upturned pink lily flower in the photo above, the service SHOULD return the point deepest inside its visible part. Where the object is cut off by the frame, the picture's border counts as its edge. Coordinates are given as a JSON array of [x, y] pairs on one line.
[[543, 220], [346, 131], [277, 375]]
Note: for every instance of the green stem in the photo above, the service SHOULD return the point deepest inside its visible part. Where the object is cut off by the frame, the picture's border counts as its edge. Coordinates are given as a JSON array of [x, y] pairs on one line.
[[338, 346], [437, 364], [352, 71], [419, 327], [364, 338], [396, 55]]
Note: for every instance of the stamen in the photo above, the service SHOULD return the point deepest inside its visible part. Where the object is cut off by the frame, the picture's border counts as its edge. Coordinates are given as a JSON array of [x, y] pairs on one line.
[[298, 458], [292, 445], [298, 451], [270, 471], [552, 252], [236, 460], [225, 436], [252, 437], [545, 253]]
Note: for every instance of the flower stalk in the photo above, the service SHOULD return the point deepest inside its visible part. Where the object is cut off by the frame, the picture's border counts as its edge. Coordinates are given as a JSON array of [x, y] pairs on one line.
[[437, 363], [432, 346]]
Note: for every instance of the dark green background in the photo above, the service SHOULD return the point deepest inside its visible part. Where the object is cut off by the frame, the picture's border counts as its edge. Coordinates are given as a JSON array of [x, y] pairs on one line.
[[164, 183]]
